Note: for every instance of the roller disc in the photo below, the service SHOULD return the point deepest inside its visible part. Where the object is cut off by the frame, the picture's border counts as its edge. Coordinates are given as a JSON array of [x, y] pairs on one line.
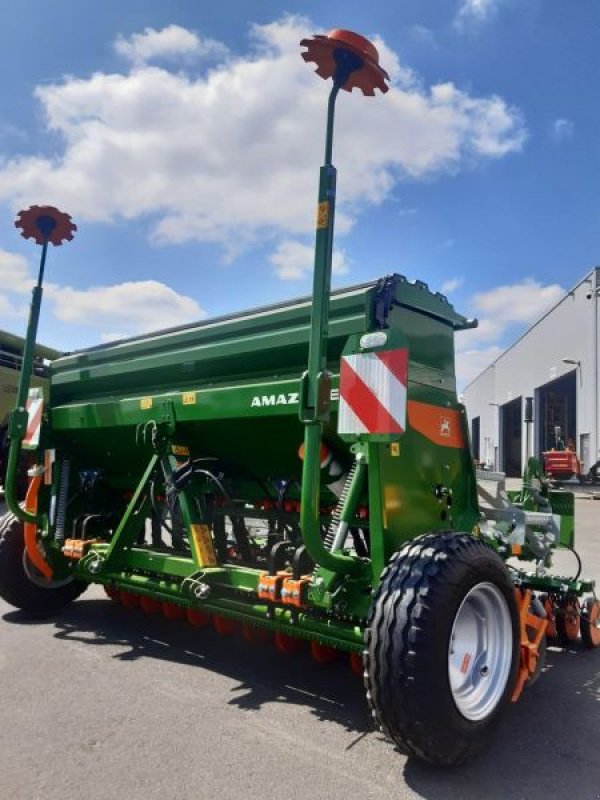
[[323, 654], [356, 664], [254, 634], [111, 591], [288, 645], [590, 623], [129, 599], [549, 608], [224, 626], [199, 619], [149, 605], [172, 611], [568, 622]]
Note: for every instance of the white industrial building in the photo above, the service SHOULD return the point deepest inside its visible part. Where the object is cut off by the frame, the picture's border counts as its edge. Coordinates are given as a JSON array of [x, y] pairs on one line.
[[543, 388]]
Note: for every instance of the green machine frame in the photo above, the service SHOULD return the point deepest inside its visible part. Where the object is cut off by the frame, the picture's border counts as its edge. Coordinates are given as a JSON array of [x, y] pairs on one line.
[[194, 469]]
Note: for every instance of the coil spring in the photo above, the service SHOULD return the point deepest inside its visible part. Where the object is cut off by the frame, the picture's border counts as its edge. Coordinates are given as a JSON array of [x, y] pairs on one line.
[[63, 496]]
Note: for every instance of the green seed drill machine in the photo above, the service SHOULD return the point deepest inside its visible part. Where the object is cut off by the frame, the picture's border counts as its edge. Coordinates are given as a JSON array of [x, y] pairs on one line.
[[300, 472]]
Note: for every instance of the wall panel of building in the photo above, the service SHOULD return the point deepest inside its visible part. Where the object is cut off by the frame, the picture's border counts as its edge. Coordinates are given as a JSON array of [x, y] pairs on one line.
[[532, 367]]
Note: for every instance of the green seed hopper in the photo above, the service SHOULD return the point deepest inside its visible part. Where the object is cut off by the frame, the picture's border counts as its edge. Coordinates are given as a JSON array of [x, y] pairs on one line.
[[300, 472], [227, 391]]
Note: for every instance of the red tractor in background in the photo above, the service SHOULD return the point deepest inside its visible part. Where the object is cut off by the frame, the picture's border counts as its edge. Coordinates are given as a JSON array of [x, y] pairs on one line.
[[561, 463]]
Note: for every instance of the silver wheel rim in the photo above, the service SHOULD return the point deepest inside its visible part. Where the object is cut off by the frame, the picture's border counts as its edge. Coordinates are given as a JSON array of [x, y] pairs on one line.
[[480, 651]]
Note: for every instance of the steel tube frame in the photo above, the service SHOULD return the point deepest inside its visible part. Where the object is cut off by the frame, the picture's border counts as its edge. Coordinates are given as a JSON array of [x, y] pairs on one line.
[[18, 423], [315, 410]]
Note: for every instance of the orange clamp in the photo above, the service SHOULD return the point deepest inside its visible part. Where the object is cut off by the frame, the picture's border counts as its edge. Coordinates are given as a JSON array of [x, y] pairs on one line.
[[295, 591], [270, 586], [77, 548]]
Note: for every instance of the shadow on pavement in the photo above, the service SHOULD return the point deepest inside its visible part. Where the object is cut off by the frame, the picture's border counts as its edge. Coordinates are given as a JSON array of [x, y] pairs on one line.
[[264, 675], [546, 746]]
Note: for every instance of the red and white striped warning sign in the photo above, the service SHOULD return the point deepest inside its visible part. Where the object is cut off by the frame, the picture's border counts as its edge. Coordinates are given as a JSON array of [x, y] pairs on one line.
[[35, 407], [373, 392]]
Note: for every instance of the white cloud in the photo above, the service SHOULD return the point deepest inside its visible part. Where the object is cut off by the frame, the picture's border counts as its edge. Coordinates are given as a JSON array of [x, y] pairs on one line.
[[112, 337], [14, 279], [14, 273], [130, 307], [451, 285], [471, 363], [487, 331], [474, 11], [9, 131], [135, 306], [501, 310], [293, 260], [562, 129], [231, 156], [519, 302], [168, 43], [424, 35], [11, 310]]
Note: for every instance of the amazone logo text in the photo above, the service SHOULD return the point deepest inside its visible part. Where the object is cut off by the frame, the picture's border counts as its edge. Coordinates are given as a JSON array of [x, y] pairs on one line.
[[275, 399], [290, 398]]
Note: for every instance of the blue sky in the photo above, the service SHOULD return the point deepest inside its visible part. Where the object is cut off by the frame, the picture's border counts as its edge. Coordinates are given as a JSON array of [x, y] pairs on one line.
[[185, 140]]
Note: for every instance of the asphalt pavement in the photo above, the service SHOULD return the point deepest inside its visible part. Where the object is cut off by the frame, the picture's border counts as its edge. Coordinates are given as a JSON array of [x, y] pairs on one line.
[[102, 703]]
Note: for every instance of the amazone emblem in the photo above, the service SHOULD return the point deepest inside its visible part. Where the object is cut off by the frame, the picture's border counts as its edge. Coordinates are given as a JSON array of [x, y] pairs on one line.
[[283, 399], [290, 398], [444, 426]]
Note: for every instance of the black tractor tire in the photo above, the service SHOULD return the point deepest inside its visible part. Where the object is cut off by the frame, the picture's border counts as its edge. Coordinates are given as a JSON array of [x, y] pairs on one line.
[[17, 588], [428, 585]]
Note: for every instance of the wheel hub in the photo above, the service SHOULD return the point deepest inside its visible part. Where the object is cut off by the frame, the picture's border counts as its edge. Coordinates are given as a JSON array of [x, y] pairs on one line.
[[480, 651]]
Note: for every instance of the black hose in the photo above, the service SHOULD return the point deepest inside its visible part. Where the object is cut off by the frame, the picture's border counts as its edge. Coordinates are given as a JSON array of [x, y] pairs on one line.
[[579, 564], [155, 508], [215, 480]]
